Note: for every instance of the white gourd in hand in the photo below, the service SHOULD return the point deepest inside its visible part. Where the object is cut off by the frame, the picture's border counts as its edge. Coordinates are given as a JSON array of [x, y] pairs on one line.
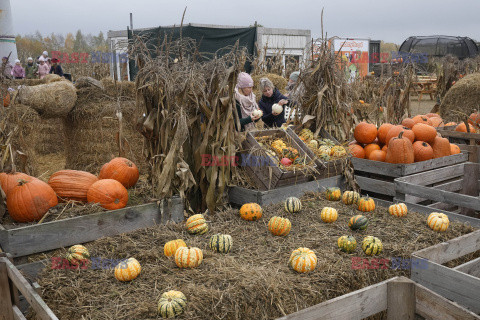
[[276, 108]]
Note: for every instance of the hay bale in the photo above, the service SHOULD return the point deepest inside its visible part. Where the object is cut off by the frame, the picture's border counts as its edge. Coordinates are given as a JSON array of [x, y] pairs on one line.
[[49, 78], [122, 88], [462, 98], [50, 100], [92, 130], [50, 136], [279, 82], [86, 82]]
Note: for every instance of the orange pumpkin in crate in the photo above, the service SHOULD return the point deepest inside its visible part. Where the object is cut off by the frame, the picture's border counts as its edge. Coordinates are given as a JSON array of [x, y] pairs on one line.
[[395, 131], [377, 155], [454, 149], [369, 148], [400, 150], [408, 122], [109, 193], [420, 119], [10, 180], [424, 132], [365, 132], [441, 147], [357, 151], [422, 151], [122, 170], [383, 131], [463, 128]]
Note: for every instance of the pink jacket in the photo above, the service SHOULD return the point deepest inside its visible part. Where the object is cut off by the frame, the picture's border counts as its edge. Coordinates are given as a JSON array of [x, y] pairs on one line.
[[18, 71], [43, 70]]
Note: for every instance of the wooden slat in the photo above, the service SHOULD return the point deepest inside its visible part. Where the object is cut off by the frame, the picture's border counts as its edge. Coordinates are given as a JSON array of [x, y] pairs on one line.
[[240, 196], [461, 135], [383, 168], [32, 269], [377, 186], [434, 176], [470, 186], [451, 186], [401, 299], [42, 310], [442, 206], [430, 305], [17, 314], [452, 249], [438, 195], [355, 305], [56, 234], [470, 267], [457, 286], [417, 167], [5, 298]]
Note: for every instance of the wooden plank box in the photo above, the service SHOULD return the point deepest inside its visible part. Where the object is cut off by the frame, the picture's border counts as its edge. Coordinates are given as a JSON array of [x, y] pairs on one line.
[[377, 178], [25, 240], [454, 189], [461, 283], [326, 169], [468, 142], [239, 196], [400, 297], [272, 176]]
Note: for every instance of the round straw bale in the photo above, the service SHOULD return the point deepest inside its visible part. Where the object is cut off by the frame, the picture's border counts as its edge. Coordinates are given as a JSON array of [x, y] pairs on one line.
[[462, 98], [49, 78], [50, 100]]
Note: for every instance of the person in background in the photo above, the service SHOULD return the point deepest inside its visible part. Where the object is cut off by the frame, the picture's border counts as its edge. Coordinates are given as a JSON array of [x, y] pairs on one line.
[[18, 72], [43, 68], [48, 61], [271, 96], [31, 69], [6, 68], [246, 102], [45, 55], [291, 82], [56, 68]]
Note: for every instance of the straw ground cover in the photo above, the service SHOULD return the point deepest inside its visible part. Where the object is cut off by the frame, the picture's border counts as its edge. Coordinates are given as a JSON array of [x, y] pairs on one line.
[[253, 281]]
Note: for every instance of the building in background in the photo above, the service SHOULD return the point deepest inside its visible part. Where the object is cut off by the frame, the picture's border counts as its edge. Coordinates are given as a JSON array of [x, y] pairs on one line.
[[283, 43], [7, 36]]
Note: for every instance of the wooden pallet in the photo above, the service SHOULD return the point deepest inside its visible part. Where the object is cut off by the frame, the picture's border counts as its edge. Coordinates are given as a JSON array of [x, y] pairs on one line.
[[239, 196], [453, 188], [273, 176], [461, 283], [400, 297], [377, 178], [29, 239], [325, 169], [468, 142]]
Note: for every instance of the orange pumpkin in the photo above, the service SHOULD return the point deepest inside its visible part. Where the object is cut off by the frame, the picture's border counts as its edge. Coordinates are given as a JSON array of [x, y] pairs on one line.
[[369, 148], [395, 131], [122, 170], [420, 119], [424, 132], [384, 148], [450, 124], [435, 122], [377, 155], [400, 150], [29, 200], [171, 247], [110, 193], [441, 147], [72, 184], [10, 180], [432, 115], [251, 211], [382, 132], [357, 151], [422, 151], [365, 132], [474, 119], [454, 149], [408, 122], [463, 128]]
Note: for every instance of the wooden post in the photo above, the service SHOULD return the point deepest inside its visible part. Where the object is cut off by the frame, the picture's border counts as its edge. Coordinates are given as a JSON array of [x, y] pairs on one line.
[[401, 299], [470, 185], [6, 306]]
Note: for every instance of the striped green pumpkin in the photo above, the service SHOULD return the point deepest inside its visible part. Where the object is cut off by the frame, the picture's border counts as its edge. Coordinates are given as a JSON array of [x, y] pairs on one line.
[[293, 205], [221, 243], [350, 197], [77, 252], [372, 246], [358, 222], [347, 244], [171, 304], [196, 224]]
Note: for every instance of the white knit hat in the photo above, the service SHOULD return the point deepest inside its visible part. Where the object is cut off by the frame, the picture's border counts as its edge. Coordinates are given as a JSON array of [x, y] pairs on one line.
[[41, 59], [17, 61], [45, 53], [30, 59]]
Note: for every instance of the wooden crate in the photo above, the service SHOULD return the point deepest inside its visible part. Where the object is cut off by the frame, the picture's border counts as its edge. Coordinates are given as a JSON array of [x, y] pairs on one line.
[[325, 169], [29, 239], [461, 283], [239, 196], [273, 176], [468, 142], [377, 178], [454, 188], [400, 297], [11, 283]]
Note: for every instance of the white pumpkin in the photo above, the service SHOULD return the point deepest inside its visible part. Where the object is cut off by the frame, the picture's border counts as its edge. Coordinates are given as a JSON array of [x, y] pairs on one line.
[[277, 108], [257, 113]]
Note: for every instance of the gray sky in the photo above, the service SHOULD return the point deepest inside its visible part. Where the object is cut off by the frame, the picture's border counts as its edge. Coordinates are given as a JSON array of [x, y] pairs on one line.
[[391, 21]]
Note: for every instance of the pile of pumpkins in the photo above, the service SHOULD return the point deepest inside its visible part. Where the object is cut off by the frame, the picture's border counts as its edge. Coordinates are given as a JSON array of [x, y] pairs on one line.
[[29, 198], [325, 149], [302, 260], [415, 140]]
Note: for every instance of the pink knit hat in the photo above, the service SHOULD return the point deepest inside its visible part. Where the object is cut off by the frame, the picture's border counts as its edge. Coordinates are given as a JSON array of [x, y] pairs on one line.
[[244, 80]]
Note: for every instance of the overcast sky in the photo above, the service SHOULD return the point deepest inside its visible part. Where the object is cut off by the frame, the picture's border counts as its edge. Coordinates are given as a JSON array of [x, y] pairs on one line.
[[391, 21]]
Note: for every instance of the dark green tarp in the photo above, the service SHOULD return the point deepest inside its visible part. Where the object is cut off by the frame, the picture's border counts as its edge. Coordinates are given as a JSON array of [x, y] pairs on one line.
[[208, 40]]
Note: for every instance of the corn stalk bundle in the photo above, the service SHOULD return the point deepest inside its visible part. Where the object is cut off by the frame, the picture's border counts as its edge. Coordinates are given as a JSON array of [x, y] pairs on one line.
[[189, 109]]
